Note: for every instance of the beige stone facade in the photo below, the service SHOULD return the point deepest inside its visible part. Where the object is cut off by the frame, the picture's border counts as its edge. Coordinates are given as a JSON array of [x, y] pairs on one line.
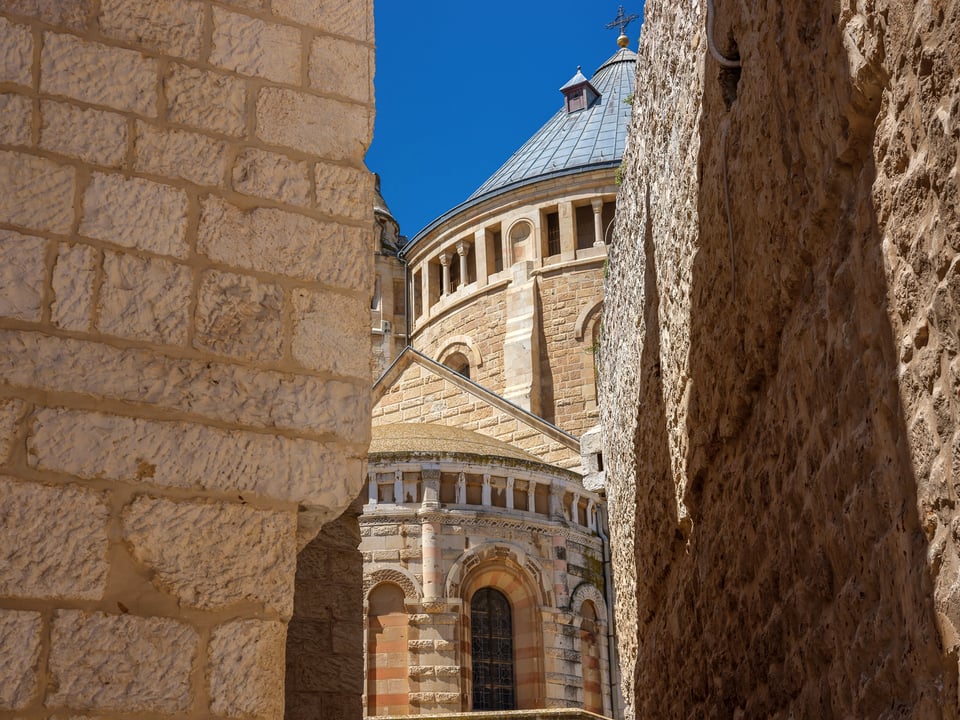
[[182, 195], [780, 385]]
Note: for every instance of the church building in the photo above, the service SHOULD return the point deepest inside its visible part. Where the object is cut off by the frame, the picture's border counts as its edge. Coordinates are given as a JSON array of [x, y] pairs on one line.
[[486, 568]]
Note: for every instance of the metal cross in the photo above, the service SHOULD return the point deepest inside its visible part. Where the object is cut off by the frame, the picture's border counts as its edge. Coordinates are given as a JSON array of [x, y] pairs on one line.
[[622, 21]]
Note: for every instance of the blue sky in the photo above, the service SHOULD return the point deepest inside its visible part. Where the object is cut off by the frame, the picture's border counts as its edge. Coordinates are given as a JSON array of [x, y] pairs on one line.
[[460, 86]]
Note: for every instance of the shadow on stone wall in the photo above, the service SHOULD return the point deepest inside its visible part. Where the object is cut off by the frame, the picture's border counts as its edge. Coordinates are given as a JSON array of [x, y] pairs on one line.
[[324, 675], [805, 588]]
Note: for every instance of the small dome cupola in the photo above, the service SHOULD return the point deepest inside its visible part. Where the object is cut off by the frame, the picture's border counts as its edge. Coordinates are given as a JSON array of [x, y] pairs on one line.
[[579, 93]]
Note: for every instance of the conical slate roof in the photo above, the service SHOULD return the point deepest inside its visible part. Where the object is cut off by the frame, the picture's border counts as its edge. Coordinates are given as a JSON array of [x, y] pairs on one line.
[[577, 140]]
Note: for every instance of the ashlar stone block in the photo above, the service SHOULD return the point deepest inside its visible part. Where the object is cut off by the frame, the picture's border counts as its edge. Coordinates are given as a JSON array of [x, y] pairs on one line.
[[10, 412], [328, 333], [205, 100], [97, 74], [247, 669], [15, 117], [341, 67], [213, 555], [73, 277], [120, 662], [37, 193], [53, 541], [20, 639], [271, 175], [341, 190], [144, 298], [351, 18], [180, 154], [250, 46], [173, 27], [68, 13], [136, 213], [22, 275], [94, 136], [16, 53], [240, 316]]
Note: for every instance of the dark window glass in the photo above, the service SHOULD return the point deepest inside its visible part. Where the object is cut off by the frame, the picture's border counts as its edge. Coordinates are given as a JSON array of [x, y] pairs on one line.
[[491, 642], [497, 240], [585, 227], [553, 234]]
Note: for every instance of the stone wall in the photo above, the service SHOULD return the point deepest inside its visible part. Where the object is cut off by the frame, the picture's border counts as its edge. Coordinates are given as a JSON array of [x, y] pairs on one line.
[[183, 203], [780, 385]]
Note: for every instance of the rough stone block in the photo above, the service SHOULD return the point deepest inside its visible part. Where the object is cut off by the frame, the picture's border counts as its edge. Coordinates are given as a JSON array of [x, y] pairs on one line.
[[136, 213], [247, 669], [211, 556], [173, 27], [341, 67], [73, 278], [269, 175], [180, 154], [16, 113], [323, 127], [20, 639], [10, 412], [220, 391], [240, 316], [120, 662], [342, 191], [327, 333], [53, 541], [95, 136], [22, 275], [97, 74], [37, 193], [16, 53], [283, 243], [181, 454], [144, 298], [205, 100], [353, 18], [74, 14], [251, 46]]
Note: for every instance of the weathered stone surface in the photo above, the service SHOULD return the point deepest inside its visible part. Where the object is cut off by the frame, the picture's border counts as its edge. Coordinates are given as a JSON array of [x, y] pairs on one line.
[[205, 100], [10, 412], [73, 14], [341, 67], [323, 127], [353, 19], [22, 275], [110, 662], [16, 53], [251, 46], [174, 27], [282, 243], [73, 276], [326, 333], [144, 298], [777, 417], [240, 316], [16, 113], [97, 74], [180, 154], [20, 640], [94, 136], [213, 555], [186, 455], [271, 175], [220, 391], [339, 188], [53, 541], [136, 213], [247, 662], [37, 193]]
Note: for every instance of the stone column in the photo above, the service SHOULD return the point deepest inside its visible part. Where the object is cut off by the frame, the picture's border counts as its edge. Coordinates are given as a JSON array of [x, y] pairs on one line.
[[426, 285], [510, 482], [182, 215], [480, 243], [531, 496], [463, 249], [461, 489], [372, 489], [597, 204], [398, 487], [568, 233], [485, 498], [445, 264]]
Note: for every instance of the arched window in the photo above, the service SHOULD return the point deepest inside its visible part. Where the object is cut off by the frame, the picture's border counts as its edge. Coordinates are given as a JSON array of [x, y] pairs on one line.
[[491, 645], [590, 659], [387, 688], [459, 363]]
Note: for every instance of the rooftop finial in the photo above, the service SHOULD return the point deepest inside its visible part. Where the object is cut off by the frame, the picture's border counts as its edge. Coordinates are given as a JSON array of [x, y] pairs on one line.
[[622, 21]]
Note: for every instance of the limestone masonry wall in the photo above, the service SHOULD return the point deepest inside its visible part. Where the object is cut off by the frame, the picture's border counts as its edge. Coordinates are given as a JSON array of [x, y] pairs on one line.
[[780, 372], [184, 355]]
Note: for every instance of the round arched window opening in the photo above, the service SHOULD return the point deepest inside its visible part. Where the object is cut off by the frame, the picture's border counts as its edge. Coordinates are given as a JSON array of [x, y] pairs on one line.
[[459, 363], [491, 649]]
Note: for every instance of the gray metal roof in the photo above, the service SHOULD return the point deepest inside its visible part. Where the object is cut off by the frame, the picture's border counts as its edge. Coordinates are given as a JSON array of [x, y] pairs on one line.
[[584, 138]]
